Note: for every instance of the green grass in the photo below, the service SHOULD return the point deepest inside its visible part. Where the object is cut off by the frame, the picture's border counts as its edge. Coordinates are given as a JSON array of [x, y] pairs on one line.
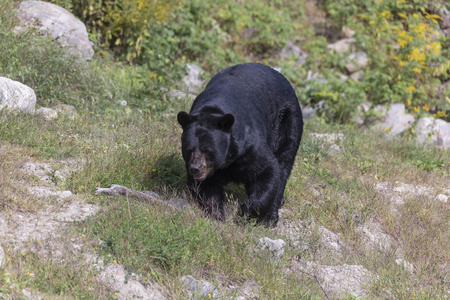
[[133, 146]]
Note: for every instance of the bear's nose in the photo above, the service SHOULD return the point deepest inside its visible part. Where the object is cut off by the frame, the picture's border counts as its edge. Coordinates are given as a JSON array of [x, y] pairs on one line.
[[194, 169]]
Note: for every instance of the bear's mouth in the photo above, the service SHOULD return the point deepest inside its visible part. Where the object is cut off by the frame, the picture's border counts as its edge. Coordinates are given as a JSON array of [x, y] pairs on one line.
[[199, 177]]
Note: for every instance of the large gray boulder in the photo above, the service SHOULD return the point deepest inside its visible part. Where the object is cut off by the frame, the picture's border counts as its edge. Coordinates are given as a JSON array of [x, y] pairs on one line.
[[396, 120], [57, 22], [16, 96], [435, 130]]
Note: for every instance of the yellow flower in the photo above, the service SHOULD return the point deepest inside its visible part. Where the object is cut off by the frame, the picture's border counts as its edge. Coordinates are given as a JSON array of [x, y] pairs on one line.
[[410, 89], [416, 109], [372, 22], [401, 15], [417, 70], [426, 107], [409, 101]]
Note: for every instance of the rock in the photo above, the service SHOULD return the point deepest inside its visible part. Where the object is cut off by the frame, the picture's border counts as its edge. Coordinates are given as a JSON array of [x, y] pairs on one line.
[[3, 227], [357, 61], [197, 288], [396, 120], [128, 286], [292, 50], [348, 33], [357, 76], [436, 130], [66, 110], [192, 79], [444, 13], [63, 26], [179, 203], [409, 267], [275, 247], [309, 112], [334, 150], [330, 240], [375, 237], [2, 256], [330, 138], [16, 96], [342, 46], [181, 95], [47, 113], [443, 198], [363, 108], [249, 290], [344, 279]]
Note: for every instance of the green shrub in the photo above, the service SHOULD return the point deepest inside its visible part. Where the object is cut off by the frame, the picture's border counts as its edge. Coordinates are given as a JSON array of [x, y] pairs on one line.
[[404, 45]]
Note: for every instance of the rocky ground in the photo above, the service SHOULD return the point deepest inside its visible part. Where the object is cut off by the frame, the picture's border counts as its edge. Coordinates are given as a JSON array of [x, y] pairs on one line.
[[44, 232]]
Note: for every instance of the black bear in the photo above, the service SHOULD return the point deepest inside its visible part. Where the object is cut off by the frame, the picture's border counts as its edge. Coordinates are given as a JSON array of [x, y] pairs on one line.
[[245, 127]]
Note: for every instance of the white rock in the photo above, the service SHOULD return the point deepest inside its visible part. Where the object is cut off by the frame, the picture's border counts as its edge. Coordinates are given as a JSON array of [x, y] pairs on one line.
[[128, 287], [396, 121], [275, 247], [3, 227], [375, 236], [2, 256], [442, 198], [330, 138], [63, 26], [47, 113], [334, 150], [330, 240], [344, 279], [16, 96], [67, 110], [357, 61], [198, 287], [342, 46], [348, 33], [436, 130], [357, 76], [406, 265], [192, 79]]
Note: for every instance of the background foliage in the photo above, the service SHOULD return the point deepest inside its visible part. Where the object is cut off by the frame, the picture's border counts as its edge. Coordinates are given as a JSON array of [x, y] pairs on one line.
[[152, 41]]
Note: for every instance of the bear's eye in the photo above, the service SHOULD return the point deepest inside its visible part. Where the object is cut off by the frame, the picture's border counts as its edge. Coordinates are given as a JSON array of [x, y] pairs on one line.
[[205, 150]]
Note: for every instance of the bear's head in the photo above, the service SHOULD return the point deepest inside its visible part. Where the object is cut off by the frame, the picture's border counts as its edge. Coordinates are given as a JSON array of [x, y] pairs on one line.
[[205, 142]]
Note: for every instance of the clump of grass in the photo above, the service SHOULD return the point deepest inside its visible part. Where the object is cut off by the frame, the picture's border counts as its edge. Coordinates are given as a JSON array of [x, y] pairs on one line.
[[49, 278]]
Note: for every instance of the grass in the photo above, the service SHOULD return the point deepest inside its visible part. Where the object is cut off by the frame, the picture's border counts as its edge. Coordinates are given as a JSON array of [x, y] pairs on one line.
[[334, 191]]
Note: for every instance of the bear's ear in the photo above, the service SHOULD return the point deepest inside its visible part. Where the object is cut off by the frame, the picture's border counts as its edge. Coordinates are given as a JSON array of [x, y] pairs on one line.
[[183, 118], [226, 122]]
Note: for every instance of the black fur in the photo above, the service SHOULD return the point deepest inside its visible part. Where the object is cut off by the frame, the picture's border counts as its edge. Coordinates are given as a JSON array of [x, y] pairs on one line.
[[245, 127]]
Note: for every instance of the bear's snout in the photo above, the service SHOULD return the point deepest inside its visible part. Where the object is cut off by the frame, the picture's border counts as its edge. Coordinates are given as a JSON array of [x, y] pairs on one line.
[[198, 168]]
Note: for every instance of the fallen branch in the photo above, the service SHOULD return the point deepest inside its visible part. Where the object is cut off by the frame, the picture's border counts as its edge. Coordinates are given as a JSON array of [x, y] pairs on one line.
[[114, 190]]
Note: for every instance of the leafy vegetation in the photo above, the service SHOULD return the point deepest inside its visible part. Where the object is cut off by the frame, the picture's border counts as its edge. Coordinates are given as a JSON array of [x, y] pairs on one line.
[[121, 138]]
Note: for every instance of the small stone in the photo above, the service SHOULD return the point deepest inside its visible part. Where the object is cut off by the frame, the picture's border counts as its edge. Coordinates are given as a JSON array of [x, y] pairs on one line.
[[198, 287], [357, 61], [408, 266], [2, 256], [443, 198], [275, 247], [342, 46], [47, 113], [348, 33], [65, 194], [67, 110], [334, 150]]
